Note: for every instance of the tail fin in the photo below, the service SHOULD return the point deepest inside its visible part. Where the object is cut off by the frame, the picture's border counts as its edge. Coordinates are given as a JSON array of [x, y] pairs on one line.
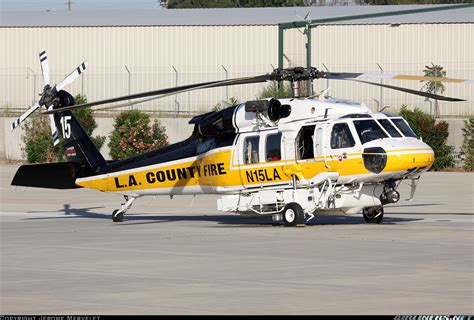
[[83, 158], [78, 146]]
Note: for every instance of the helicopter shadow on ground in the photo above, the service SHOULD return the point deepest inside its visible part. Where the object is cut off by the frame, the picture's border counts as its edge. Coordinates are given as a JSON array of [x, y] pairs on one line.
[[230, 220]]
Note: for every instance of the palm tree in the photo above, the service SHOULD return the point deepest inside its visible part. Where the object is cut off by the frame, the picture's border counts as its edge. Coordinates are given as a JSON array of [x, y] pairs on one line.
[[434, 86]]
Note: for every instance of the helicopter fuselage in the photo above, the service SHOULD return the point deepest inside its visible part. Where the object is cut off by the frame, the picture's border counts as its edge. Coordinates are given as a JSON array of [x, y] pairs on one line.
[[328, 136]]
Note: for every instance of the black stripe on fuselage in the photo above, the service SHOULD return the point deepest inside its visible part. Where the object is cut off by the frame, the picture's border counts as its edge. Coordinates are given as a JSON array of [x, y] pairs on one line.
[[191, 147]]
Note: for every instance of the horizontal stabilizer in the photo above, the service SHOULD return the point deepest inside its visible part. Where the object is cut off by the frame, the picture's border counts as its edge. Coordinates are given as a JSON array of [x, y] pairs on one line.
[[60, 175]]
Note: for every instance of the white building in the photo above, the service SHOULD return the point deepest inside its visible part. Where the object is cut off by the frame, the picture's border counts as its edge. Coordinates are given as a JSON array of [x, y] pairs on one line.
[[134, 50]]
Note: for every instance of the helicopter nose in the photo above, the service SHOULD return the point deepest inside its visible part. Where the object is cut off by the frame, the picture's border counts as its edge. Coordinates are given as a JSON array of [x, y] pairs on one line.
[[409, 155]]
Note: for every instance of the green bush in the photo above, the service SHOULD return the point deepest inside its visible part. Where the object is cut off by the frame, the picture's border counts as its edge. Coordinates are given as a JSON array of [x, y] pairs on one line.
[[467, 148], [219, 106], [133, 135], [272, 91], [37, 135], [87, 121], [434, 134], [37, 139]]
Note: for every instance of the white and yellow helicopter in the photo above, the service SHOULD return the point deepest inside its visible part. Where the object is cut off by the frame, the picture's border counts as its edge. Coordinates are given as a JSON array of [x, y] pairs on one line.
[[288, 158]]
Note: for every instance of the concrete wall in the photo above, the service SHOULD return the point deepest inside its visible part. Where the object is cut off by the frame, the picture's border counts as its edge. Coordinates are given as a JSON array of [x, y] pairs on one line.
[[177, 129]]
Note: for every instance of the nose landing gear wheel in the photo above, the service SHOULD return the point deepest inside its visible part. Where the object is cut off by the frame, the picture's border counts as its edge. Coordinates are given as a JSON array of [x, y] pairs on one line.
[[293, 215], [117, 217], [373, 214]]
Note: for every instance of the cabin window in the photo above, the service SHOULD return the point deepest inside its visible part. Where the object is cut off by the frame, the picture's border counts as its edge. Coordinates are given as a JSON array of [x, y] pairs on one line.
[[273, 147], [304, 143], [341, 136], [369, 130], [404, 128], [389, 128], [251, 149]]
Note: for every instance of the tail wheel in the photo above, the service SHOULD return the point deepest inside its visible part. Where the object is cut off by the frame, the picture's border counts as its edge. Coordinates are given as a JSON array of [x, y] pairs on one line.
[[373, 214], [293, 214], [117, 217]]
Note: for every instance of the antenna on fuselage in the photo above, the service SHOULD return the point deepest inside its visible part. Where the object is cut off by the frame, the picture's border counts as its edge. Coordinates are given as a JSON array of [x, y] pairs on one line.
[[326, 113]]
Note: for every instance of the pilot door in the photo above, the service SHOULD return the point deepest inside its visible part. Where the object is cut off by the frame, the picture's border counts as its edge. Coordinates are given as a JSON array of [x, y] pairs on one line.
[[259, 158], [340, 147]]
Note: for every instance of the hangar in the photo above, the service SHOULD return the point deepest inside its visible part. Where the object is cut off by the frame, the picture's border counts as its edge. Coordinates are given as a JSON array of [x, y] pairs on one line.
[[135, 50], [143, 50]]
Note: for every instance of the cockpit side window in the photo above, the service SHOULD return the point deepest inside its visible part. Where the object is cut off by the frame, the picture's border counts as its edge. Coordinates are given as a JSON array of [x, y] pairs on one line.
[[304, 143], [341, 136], [273, 147], [369, 130], [389, 128], [404, 127], [251, 149]]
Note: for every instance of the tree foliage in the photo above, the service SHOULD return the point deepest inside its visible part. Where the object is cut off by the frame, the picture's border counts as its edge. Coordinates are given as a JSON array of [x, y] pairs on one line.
[[433, 86], [272, 91], [38, 146], [87, 121], [133, 135], [181, 4], [467, 148], [224, 104], [392, 2], [433, 133]]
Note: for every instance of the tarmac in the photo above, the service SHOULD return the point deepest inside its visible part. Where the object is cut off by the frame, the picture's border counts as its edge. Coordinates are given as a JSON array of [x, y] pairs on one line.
[[60, 253]]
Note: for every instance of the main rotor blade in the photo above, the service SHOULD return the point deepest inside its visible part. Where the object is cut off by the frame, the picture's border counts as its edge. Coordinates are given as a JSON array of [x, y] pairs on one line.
[[72, 76], [157, 94], [25, 115], [44, 66], [416, 92], [383, 76]]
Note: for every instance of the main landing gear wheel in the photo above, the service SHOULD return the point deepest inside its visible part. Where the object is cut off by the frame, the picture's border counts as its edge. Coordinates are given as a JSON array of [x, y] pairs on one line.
[[373, 214], [293, 215], [117, 217]]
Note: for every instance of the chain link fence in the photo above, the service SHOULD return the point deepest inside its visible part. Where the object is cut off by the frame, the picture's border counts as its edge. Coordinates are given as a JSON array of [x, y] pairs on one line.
[[21, 87]]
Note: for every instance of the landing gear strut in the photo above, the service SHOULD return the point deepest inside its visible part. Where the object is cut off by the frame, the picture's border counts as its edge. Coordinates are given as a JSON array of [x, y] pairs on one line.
[[117, 215]]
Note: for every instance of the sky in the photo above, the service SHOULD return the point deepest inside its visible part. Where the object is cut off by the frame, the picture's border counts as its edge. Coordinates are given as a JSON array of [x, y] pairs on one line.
[[61, 5]]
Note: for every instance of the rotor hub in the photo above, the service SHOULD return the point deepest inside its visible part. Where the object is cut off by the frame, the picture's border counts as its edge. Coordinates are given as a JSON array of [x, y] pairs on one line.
[[49, 97]]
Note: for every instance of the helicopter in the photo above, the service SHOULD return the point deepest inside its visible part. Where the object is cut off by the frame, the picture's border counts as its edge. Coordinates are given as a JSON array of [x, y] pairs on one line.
[[290, 159]]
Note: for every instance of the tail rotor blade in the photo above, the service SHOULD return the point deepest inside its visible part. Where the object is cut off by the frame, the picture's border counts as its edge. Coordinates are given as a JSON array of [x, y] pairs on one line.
[[54, 130], [72, 76], [44, 66], [25, 115]]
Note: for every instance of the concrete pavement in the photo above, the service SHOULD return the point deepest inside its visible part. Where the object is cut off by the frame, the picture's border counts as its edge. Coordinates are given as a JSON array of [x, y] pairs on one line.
[[60, 253]]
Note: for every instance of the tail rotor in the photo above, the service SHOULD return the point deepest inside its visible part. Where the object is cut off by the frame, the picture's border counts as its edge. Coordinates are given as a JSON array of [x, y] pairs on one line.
[[50, 97]]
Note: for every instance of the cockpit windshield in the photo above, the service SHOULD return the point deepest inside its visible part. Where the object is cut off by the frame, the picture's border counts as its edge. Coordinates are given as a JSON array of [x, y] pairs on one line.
[[404, 127], [369, 130], [388, 126]]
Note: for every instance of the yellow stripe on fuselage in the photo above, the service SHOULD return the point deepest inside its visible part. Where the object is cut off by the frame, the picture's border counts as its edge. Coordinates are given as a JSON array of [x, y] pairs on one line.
[[214, 169]]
